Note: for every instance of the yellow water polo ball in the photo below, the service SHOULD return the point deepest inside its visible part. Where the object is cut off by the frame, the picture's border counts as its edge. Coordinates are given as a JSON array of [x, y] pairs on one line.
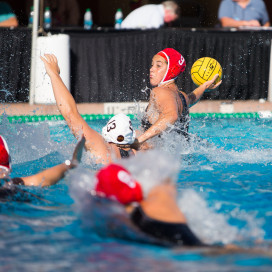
[[205, 69]]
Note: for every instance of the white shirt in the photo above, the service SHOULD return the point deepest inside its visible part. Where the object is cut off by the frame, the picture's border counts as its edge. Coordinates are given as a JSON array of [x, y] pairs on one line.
[[147, 16]]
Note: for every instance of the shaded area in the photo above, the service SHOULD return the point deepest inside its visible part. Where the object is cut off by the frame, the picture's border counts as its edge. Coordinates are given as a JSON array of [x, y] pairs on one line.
[[113, 66], [15, 54]]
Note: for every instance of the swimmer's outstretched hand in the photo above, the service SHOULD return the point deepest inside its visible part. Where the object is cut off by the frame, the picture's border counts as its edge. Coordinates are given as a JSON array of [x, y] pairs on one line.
[[211, 85], [51, 64], [77, 154]]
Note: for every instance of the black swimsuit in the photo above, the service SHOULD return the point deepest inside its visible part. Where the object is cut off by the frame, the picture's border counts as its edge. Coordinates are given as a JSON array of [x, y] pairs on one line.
[[125, 154], [181, 126], [173, 234]]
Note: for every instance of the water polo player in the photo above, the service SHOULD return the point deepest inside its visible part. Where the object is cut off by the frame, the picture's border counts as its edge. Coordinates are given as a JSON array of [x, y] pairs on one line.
[[51, 176], [156, 214], [118, 130], [168, 106]]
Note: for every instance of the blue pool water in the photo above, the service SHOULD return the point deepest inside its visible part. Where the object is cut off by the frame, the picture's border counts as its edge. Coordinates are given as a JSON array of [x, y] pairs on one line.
[[225, 191]]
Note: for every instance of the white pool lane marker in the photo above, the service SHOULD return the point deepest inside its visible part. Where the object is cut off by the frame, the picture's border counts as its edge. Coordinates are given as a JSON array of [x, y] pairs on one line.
[[226, 108], [124, 107], [265, 114]]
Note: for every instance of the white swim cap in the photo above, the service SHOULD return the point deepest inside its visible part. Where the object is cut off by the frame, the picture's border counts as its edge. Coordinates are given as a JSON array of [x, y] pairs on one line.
[[119, 130]]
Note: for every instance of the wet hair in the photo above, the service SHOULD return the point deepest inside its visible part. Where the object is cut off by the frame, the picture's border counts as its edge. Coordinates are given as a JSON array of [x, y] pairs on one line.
[[173, 6]]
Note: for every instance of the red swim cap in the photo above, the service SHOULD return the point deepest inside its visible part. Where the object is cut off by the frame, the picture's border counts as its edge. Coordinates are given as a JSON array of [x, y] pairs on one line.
[[4, 154], [116, 182], [176, 63]]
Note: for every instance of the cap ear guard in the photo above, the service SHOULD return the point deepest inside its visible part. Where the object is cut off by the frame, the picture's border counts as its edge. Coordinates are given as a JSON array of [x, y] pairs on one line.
[[5, 160], [120, 138], [175, 64]]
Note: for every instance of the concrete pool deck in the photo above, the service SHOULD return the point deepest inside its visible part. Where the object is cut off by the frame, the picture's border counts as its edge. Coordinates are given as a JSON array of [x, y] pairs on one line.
[[114, 108]]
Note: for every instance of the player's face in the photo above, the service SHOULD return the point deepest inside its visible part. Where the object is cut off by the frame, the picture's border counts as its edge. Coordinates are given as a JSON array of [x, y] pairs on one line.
[[157, 70]]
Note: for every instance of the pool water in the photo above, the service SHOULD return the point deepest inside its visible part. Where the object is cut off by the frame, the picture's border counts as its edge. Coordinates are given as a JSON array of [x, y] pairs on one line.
[[225, 191]]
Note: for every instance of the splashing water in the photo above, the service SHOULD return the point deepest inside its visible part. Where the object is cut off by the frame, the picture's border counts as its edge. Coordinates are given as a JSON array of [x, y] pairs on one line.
[[6, 93], [223, 178]]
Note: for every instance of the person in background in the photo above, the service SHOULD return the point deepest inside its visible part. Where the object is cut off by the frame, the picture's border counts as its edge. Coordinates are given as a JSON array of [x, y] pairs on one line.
[[152, 16], [7, 16], [237, 13], [64, 12]]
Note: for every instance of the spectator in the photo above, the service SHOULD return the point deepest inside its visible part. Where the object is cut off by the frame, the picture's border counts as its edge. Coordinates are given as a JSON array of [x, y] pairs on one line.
[[64, 13], [152, 16], [7, 16], [236, 13]]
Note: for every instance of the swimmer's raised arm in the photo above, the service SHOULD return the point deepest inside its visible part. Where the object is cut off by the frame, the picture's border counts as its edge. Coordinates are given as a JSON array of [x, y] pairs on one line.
[[65, 101], [195, 95], [52, 175], [67, 106]]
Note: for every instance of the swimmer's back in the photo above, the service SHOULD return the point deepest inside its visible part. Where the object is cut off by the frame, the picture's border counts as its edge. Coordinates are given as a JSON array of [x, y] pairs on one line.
[[172, 234], [159, 216]]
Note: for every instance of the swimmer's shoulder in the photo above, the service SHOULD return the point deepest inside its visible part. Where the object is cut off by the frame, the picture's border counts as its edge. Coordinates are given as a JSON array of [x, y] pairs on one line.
[[161, 92], [156, 90]]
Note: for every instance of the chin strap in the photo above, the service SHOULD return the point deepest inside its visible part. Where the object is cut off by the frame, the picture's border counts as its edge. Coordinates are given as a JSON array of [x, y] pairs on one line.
[[173, 79]]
